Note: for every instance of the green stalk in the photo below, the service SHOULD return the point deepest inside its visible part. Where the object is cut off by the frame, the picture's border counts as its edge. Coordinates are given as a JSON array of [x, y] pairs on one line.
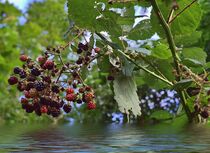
[[176, 58]]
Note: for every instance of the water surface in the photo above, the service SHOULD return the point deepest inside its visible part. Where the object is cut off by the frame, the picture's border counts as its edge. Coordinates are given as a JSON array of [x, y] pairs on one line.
[[105, 138]]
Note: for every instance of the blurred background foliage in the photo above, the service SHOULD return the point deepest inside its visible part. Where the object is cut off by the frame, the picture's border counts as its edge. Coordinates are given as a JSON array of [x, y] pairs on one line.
[[45, 24]]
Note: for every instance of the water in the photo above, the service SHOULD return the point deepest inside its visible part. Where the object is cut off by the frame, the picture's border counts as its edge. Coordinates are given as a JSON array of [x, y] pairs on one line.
[[111, 138]]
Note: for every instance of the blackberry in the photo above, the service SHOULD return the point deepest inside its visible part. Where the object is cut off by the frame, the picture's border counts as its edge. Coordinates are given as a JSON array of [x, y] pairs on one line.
[[23, 74], [29, 86], [55, 89], [79, 101], [83, 47], [35, 72], [39, 86], [79, 61], [67, 108], [61, 103], [205, 114], [31, 78], [79, 51], [13, 80], [17, 70], [44, 101], [38, 112], [36, 105], [55, 112], [49, 64], [20, 87], [46, 79], [29, 108]]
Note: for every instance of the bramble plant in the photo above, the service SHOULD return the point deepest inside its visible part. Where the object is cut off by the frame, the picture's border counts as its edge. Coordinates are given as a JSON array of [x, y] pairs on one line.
[[131, 42]]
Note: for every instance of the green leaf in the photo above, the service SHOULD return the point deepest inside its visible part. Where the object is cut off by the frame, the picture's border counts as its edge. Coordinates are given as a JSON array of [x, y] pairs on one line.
[[195, 53], [126, 96], [183, 84], [192, 62], [161, 51]]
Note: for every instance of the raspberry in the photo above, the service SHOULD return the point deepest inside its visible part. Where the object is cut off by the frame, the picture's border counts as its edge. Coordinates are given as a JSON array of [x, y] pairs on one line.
[[13, 80], [91, 105], [39, 86], [67, 108], [17, 70], [23, 58], [97, 49], [70, 97], [35, 72], [49, 64], [44, 109], [88, 97], [55, 89], [69, 90]]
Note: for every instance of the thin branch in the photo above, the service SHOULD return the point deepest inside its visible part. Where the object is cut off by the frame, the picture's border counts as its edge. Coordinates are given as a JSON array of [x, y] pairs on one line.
[[184, 9]]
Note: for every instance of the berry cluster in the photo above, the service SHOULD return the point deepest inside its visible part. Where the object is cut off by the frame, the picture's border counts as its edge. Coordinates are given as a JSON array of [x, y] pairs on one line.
[[44, 87]]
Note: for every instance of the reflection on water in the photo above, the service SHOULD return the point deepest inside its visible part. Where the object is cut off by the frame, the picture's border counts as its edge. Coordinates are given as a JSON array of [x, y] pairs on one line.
[[104, 138]]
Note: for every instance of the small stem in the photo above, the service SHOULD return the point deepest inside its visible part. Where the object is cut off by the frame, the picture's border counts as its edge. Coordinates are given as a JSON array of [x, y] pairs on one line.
[[146, 70], [189, 5]]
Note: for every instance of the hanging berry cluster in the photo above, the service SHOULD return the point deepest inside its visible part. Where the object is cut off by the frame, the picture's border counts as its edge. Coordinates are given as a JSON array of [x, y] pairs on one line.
[[44, 87]]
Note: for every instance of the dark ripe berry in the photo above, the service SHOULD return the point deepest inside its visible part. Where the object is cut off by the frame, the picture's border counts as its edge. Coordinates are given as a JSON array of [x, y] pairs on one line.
[[55, 104], [197, 108], [49, 64], [38, 112], [35, 72], [61, 103], [79, 51], [36, 105], [55, 70], [193, 91], [79, 101], [24, 101], [29, 108], [55, 112], [110, 78], [30, 65], [47, 79], [55, 89], [29, 86], [87, 88], [70, 97], [67, 108], [208, 92], [23, 74], [91, 105], [69, 90], [17, 70], [13, 80], [41, 59], [88, 97], [74, 74], [83, 47], [79, 61], [97, 49], [205, 114], [87, 59], [44, 109], [74, 85], [44, 101], [23, 58], [39, 86], [31, 78], [81, 90], [33, 92], [88, 54]]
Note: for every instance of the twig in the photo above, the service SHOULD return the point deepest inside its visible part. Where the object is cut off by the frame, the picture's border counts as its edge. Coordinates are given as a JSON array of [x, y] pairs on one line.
[[189, 5]]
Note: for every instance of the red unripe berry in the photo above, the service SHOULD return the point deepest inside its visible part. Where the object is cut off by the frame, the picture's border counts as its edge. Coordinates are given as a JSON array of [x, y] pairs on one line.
[[13, 80], [71, 97], [91, 105], [27, 94], [89, 97], [24, 100], [41, 59], [69, 90], [97, 49], [81, 90], [49, 64], [44, 109], [23, 58]]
